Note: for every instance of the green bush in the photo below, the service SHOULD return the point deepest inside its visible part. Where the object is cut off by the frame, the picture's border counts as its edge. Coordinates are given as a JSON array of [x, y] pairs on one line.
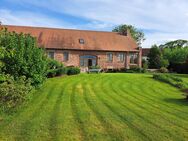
[[170, 79], [163, 70], [180, 85], [136, 69], [51, 73], [22, 57], [55, 68], [144, 64], [53, 64], [2, 78], [61, 71], [73, 71], [13, 93], [56, 72]]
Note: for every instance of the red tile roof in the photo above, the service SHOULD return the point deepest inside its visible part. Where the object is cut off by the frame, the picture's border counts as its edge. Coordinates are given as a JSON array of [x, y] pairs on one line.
[[53, 38]]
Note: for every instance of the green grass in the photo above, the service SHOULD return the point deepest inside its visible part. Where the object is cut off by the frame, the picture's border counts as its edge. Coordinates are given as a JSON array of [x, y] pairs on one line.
[[131, 107]]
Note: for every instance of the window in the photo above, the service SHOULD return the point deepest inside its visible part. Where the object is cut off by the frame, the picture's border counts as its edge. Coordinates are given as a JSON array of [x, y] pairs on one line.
[[65, 56], [51, 55], [133, 58], [82, 63], [81, 41], [120, 57], [109, 57]]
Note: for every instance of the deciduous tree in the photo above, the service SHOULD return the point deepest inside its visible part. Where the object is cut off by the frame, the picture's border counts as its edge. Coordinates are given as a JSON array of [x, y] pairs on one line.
[[137, 34]]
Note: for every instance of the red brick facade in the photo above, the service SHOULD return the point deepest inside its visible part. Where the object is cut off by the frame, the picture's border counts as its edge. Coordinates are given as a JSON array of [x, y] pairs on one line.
[[74, 58]]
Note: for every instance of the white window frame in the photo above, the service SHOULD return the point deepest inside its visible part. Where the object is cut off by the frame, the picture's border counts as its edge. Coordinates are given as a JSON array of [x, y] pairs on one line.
[[135, 56], [65, 59], [121, 57], [109, 58]]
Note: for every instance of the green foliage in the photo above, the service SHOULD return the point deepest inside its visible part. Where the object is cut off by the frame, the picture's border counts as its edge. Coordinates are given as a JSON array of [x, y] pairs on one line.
[[137, 34], [73, 71], [176, 52], [175, 44], [164, 62], [2, 52], [13, 92], [55, 68], [163, 70], [61, 71], [170, 79], [2, 78], [53, 64], [136, 69], [56, 72], [22, 57], [176, 55], [156, 59], [144, 64]]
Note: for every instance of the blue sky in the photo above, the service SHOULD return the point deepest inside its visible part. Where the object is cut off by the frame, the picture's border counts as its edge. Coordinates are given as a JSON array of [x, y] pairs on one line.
[[161, 20]]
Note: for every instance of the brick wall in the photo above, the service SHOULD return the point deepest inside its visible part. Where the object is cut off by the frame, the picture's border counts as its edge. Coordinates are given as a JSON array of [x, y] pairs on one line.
[[74, 58]]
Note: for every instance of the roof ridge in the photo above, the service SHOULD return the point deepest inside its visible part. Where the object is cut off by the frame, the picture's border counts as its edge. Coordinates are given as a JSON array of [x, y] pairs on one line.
[[54, 28]]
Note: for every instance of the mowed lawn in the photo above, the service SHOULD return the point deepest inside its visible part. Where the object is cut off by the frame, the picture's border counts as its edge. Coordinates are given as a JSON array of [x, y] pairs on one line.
[[101, 107]]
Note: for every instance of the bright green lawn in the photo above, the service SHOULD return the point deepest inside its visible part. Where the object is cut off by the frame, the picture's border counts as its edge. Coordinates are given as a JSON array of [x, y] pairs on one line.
[[122, 107]]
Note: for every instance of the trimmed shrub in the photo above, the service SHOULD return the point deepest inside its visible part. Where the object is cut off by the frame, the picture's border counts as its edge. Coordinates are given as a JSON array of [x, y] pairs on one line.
[[56, 72], [55, 68], [136, 69], [61, 71], [51, 73], [73, 71], [163, 70], [180, 85], [172, 80]]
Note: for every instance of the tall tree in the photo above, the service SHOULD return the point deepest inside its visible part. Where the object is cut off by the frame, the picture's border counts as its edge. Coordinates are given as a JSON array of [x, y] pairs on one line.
[[137, 34], [156, 59]]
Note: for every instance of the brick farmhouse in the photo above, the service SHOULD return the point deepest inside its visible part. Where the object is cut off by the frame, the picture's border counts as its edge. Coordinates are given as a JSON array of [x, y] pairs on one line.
[[82, 48]]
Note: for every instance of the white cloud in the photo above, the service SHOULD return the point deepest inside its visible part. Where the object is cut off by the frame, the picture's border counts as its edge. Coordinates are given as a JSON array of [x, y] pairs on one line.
[[168, 16], [160, 38], [30, 19]]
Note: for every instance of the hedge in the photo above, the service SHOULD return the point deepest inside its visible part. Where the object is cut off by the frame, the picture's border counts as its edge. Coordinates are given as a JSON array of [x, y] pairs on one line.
[[170, 79], [73, 70]]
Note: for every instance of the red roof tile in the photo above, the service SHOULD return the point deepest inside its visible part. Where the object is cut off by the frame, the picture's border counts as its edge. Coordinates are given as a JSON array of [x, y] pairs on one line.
[[53, 38]]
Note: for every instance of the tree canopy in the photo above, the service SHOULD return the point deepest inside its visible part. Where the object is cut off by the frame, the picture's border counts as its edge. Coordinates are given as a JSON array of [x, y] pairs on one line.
[[156, 59], [173, 54], [137, 34], [175, 51], [175, 44]]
